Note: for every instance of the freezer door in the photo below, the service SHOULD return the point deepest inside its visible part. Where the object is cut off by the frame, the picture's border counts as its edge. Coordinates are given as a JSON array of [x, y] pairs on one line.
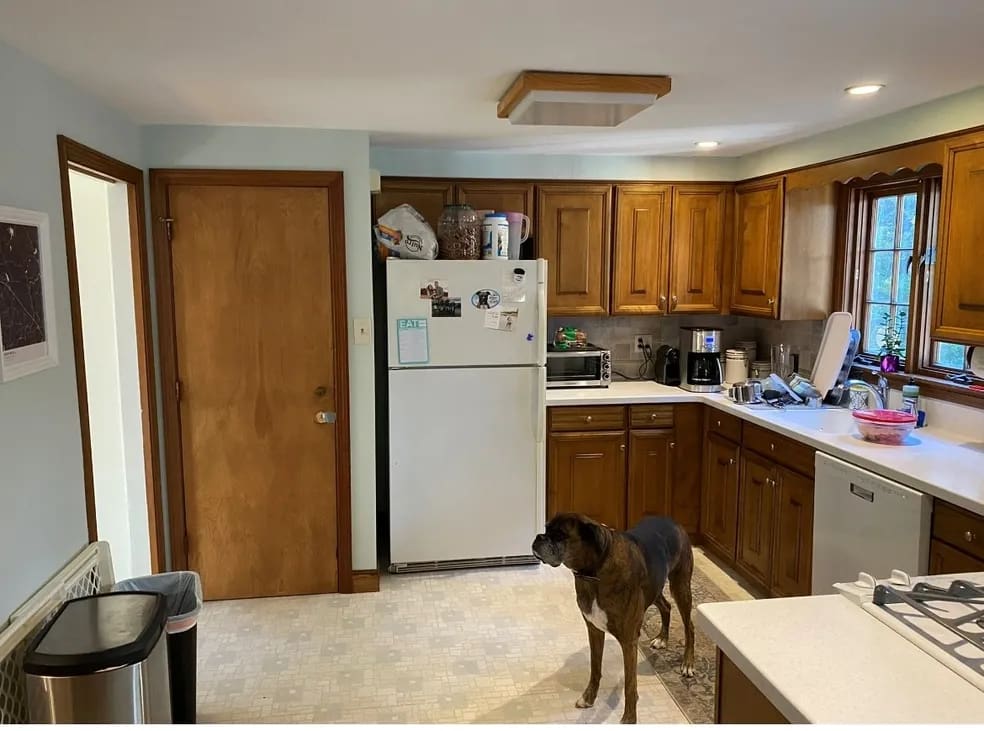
[[466, 463], [454, 313]]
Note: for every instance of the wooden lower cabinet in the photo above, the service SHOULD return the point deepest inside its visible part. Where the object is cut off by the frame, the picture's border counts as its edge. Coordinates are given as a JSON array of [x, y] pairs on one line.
[[756, 515], [944, 559], [586, 474], [792, 561], [719, 495], [650, 473], [738, 700]]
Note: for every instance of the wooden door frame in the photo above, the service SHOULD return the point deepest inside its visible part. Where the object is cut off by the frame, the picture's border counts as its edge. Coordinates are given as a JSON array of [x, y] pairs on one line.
[[74, 155], [160, 180]]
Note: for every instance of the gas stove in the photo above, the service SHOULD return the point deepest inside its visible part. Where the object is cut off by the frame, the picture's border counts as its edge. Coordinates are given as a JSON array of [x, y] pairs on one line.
[[942, 615]]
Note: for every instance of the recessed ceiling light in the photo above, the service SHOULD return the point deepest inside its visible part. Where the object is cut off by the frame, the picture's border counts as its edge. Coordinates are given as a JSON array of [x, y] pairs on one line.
[[707, 145], [864, 89]]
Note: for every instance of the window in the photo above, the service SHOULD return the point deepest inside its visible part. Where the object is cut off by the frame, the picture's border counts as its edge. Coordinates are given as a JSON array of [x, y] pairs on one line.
[[891, 238]]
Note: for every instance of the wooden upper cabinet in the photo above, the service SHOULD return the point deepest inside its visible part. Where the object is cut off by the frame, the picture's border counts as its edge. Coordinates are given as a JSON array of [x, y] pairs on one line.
[[958, 314], [696, 248], [758, 248], [756, 517], [496, 195], [587, 475], [792, 562], [573, 233], [642, 238], [428, 196], [650, 473]]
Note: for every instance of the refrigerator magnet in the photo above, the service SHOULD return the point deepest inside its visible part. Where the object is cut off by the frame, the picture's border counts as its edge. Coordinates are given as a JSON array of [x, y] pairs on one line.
[[504, 320], [446, 307], [486, 299], [434, 289], [411, 340], [514, 285]]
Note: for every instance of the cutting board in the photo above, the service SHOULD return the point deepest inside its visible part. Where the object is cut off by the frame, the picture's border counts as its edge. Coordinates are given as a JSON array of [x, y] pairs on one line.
[[833, 349]]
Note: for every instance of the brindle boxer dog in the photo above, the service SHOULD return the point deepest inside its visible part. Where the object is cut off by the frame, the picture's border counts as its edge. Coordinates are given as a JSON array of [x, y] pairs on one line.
[[617, 576]]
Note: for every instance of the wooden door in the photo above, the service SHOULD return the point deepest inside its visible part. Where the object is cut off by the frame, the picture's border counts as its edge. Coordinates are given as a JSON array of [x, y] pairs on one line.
[[792, 563], [758, 248], [687, 459], [719, 496], [573, 233], [944, 559], [697, 248], [756, 516], [958, 314], [256, 288], [642, 242], [650, 473], [587, 475], [428, 196]]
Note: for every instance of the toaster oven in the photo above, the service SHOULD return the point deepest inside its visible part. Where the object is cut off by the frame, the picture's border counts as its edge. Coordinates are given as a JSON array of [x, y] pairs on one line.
[[587, 367]]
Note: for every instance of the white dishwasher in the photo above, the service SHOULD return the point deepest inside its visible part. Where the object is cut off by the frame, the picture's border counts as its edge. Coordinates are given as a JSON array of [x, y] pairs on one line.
[[863, 522]]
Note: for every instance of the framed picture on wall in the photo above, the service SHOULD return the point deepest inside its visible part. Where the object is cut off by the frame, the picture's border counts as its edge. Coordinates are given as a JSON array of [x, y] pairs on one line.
[[28, 343]]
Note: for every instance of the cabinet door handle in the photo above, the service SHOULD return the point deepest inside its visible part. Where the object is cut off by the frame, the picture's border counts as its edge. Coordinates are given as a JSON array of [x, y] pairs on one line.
[[772, 300], [662, 300], [653, 416], [621, 447], [587, 419], [969, 536], [772, 446], [718, 423], [672, 445], [731, 462], [673, 302]]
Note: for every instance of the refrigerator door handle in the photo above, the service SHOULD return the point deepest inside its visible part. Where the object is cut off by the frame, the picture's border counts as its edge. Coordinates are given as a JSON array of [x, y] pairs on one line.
[[541, 307], [540, 404]]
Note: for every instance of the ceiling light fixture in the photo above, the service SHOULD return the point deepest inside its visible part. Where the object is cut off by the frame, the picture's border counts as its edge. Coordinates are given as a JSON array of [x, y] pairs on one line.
[[706, 145], [586, 100], [864, 89]]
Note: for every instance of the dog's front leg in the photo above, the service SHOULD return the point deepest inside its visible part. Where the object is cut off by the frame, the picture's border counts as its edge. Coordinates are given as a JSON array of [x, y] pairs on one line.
[[596, 643], [630, 659]]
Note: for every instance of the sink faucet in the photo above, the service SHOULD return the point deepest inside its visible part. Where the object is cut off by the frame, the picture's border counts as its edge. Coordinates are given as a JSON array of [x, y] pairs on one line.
[[879, 391]]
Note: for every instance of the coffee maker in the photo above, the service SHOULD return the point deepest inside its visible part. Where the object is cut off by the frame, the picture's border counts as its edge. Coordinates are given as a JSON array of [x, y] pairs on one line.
[[701, 347]]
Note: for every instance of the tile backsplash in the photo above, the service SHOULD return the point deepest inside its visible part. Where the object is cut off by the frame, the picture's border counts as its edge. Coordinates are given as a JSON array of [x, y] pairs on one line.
[[618, 334]]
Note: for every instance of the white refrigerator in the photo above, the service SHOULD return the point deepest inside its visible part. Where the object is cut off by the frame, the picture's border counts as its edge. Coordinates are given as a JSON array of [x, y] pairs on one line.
[[467, 383]]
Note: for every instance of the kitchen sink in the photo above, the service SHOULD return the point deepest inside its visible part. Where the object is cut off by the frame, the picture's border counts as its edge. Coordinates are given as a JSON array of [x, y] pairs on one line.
[[829, 421]]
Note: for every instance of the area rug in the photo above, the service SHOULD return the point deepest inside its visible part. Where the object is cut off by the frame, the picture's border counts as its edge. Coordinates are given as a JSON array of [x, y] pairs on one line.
[[695, 695]]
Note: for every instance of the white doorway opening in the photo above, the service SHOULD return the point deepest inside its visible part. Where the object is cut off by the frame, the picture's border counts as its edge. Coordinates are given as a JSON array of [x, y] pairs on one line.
[[104, 266]]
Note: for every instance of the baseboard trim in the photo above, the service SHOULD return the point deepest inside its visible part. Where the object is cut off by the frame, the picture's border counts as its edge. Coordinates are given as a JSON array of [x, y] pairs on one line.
[[365, 581]]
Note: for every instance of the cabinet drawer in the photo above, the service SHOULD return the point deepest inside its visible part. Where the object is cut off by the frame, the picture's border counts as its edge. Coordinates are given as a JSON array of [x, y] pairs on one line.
[[781, 450], [651, 416], [584, 418], [726, 425], [943, 559], [959, 528]]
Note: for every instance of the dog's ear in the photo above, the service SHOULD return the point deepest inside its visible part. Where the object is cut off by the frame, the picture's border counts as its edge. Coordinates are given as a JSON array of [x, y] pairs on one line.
[[594, 534]]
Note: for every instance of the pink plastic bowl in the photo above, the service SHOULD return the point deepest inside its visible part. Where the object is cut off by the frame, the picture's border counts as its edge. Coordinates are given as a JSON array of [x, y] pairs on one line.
[[884, 431]]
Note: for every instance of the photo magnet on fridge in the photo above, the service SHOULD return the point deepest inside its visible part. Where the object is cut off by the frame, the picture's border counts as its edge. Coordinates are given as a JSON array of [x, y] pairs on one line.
[[446, 307], [486, 299], [434, 289]]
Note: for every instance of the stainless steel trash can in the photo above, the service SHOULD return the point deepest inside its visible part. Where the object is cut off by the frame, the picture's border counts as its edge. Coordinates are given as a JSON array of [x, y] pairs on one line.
[[101, 660]]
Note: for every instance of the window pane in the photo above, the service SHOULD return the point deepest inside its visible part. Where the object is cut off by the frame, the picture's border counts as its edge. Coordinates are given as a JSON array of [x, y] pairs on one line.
[[873, 328], [908, 220], [884, 233], [904, 277], [880, 276], [949, 355]]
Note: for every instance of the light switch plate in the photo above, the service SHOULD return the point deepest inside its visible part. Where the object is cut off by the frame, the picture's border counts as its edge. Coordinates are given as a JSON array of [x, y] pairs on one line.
[[362, 327]]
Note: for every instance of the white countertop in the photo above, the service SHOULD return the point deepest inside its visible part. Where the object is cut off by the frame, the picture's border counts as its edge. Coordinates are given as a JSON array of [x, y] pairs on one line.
[[822, 659], [937, 463]]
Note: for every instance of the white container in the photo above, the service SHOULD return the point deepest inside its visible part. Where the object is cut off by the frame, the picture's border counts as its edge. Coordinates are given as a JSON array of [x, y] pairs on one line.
[[735, 365], [495, 237], [751, 348]]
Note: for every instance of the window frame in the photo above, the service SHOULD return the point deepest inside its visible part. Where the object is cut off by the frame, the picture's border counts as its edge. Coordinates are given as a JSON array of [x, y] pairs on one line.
[[858, 202]]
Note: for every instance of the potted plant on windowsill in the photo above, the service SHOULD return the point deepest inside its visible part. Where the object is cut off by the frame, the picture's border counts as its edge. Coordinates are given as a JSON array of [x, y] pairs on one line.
[[892, 336]]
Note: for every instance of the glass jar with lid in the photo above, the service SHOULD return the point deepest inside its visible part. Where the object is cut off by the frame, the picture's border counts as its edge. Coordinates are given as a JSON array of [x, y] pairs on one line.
[[459, 233]]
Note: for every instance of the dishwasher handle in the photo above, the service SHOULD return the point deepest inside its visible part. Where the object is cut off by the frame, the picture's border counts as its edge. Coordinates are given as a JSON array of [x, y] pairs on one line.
[[862, 493]]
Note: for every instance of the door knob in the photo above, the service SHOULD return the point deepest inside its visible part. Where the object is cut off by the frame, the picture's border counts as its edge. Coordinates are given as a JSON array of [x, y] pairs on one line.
[[325, 417], [320, 391]]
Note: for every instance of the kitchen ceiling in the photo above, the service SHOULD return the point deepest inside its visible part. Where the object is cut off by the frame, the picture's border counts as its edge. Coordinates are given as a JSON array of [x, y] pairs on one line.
[[428, 73]]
